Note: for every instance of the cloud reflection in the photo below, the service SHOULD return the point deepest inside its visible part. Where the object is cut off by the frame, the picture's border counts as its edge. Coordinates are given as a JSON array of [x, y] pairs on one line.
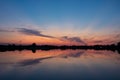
[[60, 54], [38, 60], [32, 61], [72, 54]]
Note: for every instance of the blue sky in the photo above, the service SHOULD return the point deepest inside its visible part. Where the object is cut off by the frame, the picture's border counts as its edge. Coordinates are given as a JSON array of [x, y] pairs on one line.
[[51, 11], [75, 15]]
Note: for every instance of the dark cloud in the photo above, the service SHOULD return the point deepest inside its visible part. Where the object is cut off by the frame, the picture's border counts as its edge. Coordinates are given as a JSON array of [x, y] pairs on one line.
[[32, 32], [38, 33], [117, 36], [5, 30], [73, 39], [6, 63]]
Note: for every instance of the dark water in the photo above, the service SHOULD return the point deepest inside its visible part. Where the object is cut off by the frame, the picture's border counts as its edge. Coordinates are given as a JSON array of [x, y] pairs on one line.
[[60, 65]]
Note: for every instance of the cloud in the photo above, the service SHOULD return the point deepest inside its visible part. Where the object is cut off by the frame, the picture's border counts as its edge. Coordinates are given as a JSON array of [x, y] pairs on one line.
[[73, 39], [117, 36], [38, 33], [98, 41], [5, 30], [32, 32]]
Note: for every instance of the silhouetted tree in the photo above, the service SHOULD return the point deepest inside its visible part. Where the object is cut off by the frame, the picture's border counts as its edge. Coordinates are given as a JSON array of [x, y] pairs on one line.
[[118, 44], [34, 47], [34, 44]]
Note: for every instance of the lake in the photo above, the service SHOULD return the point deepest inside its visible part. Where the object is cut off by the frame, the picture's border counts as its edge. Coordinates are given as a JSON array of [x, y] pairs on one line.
[[60, 65]]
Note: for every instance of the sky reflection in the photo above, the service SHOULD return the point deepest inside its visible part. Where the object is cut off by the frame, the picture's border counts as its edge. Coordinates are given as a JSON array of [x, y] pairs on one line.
[[57, 65]]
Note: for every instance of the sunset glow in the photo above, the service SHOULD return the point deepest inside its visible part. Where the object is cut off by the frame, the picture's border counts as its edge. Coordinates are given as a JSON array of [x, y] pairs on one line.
[[59, 22]]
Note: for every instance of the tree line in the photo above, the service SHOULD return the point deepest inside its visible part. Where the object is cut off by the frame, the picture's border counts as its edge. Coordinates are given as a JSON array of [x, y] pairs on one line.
[[34, 47]]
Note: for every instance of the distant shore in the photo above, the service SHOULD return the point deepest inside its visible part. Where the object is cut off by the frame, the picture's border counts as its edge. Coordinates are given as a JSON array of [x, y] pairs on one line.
[[34, 47]]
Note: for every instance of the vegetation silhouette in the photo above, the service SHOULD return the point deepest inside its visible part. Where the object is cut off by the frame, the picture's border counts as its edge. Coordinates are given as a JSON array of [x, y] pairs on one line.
[[33, 47]]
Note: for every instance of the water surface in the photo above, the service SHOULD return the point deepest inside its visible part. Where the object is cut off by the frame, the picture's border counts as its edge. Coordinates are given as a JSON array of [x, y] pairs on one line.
[[60, 65]]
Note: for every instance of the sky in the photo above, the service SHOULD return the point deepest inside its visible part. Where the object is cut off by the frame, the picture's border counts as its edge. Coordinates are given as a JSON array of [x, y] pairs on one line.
[[60, 22]]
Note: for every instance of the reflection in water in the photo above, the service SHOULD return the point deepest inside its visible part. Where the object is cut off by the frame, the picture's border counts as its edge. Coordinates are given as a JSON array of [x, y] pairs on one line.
[[32, 61], [60, 65]]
